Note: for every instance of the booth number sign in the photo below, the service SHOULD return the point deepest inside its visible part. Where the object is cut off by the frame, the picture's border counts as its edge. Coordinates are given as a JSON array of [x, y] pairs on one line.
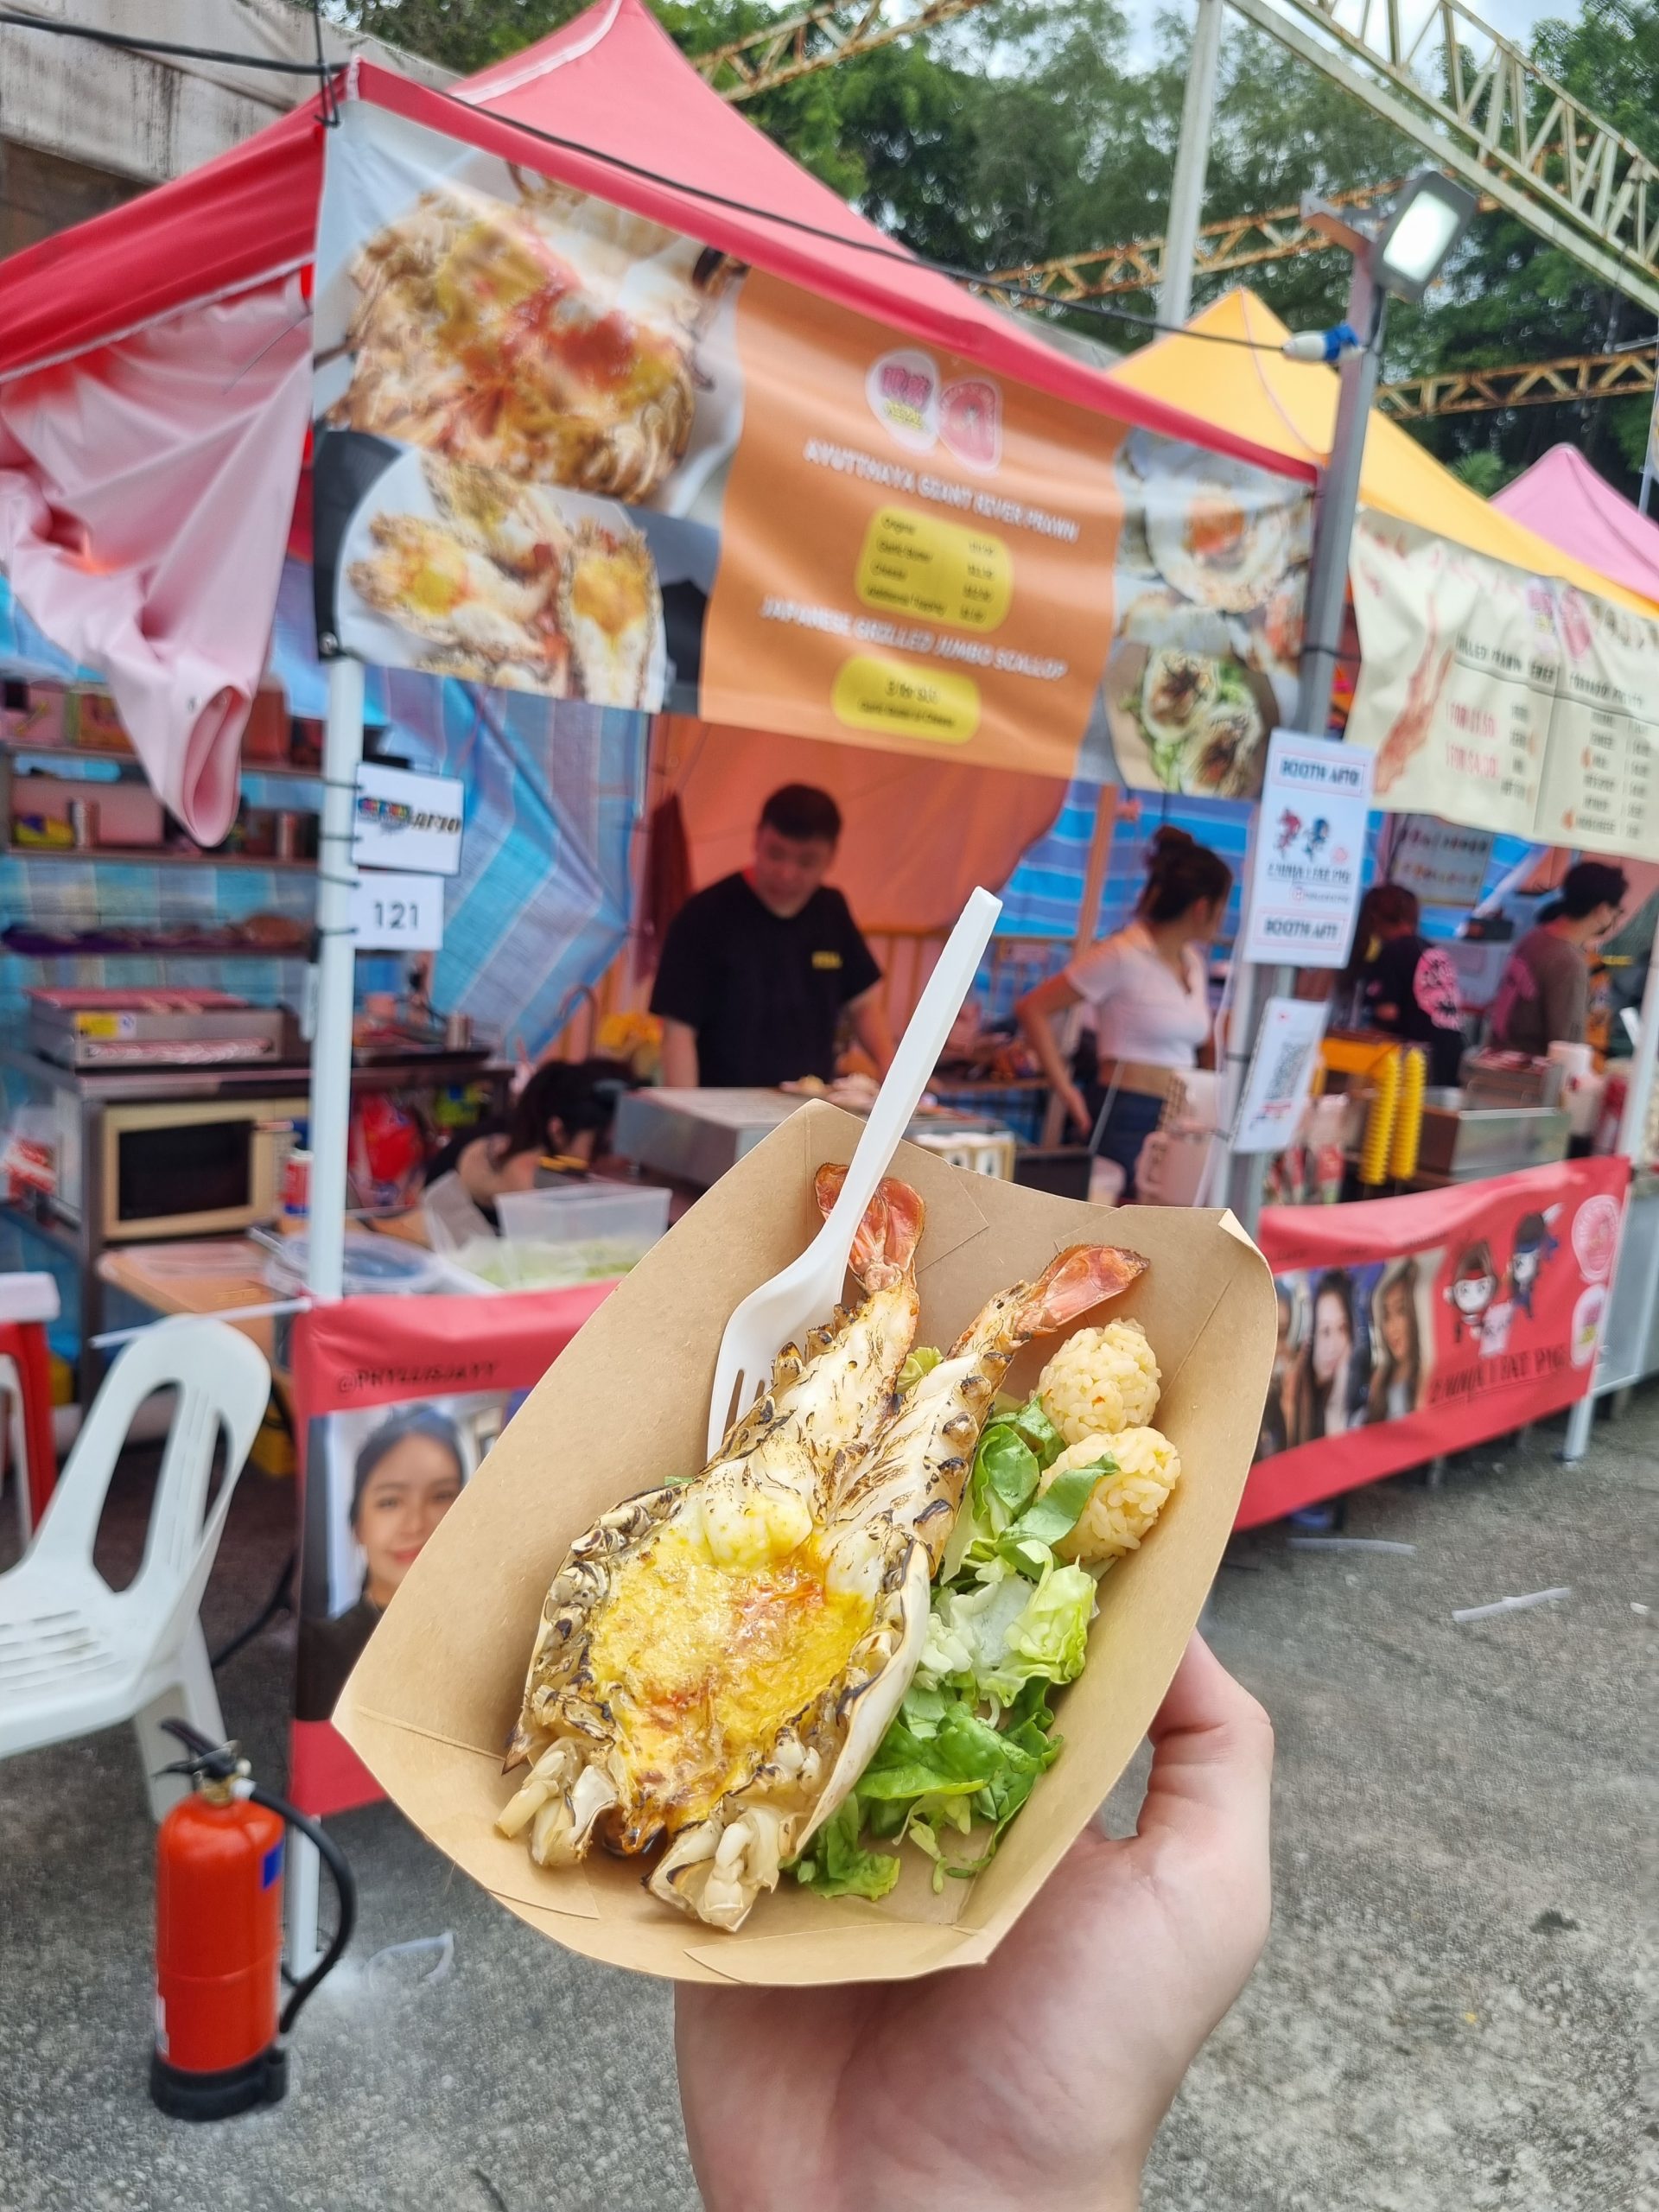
[[406, 838], [397, 913]]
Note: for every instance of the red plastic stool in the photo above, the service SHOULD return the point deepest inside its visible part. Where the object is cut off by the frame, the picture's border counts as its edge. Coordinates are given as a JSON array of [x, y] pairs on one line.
[[28, 1302]]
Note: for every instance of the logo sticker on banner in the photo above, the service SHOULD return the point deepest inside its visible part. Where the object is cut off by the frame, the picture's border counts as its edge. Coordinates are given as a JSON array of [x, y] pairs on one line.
[[1310, 848], [401, 820]]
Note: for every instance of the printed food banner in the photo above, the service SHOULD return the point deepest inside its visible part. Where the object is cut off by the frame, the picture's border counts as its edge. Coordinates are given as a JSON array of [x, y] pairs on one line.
[[1504, 700], [397, 1400], [1212, 574], [564, 449], [1412, 1326]]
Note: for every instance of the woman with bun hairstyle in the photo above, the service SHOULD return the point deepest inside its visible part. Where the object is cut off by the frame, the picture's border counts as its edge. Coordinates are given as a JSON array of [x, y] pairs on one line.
[[1148, 989]]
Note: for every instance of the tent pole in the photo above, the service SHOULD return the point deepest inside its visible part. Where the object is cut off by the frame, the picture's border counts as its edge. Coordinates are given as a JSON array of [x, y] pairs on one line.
[[1632, 1134], [331, 1047], [1191, 160], [330, 1124], [1328, 594]]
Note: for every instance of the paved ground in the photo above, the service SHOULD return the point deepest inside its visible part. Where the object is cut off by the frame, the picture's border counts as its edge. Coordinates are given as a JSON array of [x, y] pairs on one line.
[[1449, 2018]]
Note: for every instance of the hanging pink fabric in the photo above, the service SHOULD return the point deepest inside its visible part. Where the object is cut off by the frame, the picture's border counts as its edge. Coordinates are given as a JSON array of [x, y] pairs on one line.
[[1564, 499], [145, 493]]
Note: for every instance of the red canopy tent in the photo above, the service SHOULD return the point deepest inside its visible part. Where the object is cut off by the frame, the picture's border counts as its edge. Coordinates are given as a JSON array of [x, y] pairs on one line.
[[609, 105], [154, 362]]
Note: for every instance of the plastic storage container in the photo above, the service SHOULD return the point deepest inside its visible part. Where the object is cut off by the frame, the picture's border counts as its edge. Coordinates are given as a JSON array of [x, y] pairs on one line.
[[552, 1238]]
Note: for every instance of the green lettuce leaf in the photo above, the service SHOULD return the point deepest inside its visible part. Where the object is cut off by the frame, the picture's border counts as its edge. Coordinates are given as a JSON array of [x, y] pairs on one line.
[[989, 1641], [1038, 1432], [1055, 1514], [922, 1361], [1006, 1473], [833, 1865]]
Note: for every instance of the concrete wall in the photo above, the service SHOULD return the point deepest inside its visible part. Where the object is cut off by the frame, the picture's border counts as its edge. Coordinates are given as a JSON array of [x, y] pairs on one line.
[[83, 126]]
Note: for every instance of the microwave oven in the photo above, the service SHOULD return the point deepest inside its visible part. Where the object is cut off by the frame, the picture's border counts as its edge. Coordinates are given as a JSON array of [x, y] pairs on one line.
[[187, 1168]]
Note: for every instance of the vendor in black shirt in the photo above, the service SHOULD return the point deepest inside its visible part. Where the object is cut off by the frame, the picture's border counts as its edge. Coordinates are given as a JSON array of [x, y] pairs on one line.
[[758, 971], [1405, 986]]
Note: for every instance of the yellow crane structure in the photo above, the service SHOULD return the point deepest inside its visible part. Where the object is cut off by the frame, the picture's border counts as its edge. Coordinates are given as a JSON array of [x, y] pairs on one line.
[[1590, 173], [1529, 384], [818, 38]]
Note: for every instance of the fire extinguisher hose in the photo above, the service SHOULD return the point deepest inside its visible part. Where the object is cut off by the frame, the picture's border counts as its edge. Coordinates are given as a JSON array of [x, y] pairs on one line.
[[344, 1888]]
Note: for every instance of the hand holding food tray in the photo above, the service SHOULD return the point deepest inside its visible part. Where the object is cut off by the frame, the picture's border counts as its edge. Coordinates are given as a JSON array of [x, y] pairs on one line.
[[441, 1689]]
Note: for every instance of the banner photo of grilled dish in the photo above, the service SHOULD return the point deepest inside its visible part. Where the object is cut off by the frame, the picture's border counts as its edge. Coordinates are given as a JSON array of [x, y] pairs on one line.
[[525, 403], [1211, 575]]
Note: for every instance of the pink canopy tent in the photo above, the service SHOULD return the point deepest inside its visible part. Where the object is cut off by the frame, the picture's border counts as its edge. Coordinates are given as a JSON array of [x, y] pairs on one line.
[[1563, 498], [155, 363]]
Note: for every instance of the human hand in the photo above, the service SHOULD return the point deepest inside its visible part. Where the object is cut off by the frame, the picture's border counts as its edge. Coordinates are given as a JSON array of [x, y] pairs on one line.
[[1076, 1108], [1040, 2078]]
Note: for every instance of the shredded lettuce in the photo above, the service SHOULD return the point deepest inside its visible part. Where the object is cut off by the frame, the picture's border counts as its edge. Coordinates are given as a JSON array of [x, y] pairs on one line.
[[965, 1771], [833, 1865], [1009, 1622], [922, 1361], [993, 1638]]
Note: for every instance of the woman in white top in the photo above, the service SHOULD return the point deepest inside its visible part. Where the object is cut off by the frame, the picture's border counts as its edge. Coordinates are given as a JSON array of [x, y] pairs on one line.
[[1148, 990]]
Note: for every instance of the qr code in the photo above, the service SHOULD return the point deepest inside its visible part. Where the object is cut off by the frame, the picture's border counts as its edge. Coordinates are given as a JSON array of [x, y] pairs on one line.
[[1287, 1077]]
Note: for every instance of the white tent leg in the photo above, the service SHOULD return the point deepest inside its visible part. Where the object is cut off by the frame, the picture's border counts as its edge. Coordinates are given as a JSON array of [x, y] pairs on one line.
[[330, 1120], [331, 1048]]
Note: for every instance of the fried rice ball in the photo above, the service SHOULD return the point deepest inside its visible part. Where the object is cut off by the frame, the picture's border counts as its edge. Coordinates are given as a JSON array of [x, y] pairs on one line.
[[1125, 1503], [1101, 1381]]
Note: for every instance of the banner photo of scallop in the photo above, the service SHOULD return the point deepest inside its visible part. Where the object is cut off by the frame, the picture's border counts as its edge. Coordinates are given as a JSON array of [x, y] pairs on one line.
[[1210, 578], [1417, 1325], [525, 403]]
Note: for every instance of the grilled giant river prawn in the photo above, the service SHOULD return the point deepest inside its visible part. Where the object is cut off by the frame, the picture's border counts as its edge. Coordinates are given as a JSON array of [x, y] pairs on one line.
[[717, 1662], [644, 1736]]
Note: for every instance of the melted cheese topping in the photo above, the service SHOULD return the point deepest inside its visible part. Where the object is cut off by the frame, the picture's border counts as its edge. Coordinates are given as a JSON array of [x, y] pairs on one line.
[[609, 589], [701, 1665]]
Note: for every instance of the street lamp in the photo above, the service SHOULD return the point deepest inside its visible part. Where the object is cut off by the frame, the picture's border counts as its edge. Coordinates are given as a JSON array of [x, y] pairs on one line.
[[1399, 255]]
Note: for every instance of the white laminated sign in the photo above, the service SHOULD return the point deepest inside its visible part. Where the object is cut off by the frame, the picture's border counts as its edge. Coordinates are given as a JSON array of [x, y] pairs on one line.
[[1309, 848], [404, 821]]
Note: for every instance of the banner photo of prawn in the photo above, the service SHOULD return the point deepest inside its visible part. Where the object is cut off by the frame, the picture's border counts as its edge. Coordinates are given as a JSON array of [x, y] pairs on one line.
[[562, 449], [1210, 578], [1417, 1325], [526, 402], [390, 1439], [1501, 700]]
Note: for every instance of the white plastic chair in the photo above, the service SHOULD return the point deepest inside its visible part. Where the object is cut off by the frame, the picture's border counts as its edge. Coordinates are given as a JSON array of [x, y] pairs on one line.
[[76, 1655]]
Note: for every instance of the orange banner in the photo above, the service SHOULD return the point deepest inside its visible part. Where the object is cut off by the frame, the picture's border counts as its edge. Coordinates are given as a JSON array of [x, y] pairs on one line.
[[913, 555]]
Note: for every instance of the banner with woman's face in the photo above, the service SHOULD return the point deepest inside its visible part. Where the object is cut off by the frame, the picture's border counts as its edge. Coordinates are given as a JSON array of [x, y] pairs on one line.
[[379, 1480], [397, 1400], [1413, 1326]]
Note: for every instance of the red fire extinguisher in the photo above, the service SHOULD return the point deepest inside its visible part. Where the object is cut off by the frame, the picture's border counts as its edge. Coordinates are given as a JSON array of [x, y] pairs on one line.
[[218, 1936]]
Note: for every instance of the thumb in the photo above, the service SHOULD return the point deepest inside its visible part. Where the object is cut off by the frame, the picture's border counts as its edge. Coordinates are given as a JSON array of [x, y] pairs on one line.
[[1212, 1759]]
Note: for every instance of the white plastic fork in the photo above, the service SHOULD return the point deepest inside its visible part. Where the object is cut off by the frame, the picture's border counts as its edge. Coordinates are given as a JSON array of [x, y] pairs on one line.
[[782, 1310]]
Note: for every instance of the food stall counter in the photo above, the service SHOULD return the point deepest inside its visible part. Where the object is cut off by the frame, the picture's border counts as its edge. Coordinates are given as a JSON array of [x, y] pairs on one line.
[[695, 1136]]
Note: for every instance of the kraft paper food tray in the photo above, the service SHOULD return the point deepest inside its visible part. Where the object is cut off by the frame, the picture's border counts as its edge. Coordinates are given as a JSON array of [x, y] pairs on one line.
[[437, 1692]]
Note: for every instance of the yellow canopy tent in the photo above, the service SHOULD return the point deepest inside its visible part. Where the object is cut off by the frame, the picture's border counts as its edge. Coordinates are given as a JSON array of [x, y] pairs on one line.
[[1290, 406]]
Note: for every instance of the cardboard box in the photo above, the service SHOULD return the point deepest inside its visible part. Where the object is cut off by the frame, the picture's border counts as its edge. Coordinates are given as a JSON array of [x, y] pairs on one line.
[[438, 1689]]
